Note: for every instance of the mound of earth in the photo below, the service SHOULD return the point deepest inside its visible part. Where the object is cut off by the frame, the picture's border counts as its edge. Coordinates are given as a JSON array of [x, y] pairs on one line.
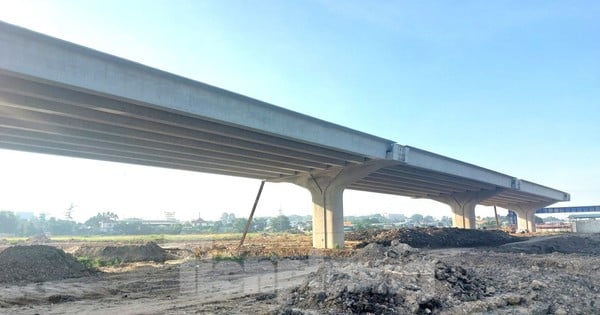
[[124, 253], [38, 263], [401, 281], [566, 244], [435, 237]]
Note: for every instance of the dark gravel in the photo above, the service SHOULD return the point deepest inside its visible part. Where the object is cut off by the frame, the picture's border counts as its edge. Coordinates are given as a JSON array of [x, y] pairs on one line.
[[588, 244], [434, 237]]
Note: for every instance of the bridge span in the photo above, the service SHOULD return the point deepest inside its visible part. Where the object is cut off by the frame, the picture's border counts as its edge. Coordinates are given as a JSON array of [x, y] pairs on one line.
[[60, 98]]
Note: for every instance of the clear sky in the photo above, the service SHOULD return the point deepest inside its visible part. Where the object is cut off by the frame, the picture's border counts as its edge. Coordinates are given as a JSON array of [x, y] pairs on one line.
[[513, 86]]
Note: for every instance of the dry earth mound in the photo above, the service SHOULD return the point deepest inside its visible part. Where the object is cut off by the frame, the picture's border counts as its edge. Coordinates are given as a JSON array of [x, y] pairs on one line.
[[124, 253], [38, 263], [434, 237]]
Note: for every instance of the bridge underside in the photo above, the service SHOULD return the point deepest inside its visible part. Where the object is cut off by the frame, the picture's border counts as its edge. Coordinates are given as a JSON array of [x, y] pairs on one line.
[[43, 117], [63, 99]]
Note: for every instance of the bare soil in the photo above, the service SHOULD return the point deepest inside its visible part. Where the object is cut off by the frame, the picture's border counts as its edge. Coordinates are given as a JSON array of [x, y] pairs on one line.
[[123, 253], [37, 263], [283, 275]]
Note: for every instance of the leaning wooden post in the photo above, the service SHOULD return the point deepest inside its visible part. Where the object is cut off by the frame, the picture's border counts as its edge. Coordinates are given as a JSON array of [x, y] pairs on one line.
[[262, 184]]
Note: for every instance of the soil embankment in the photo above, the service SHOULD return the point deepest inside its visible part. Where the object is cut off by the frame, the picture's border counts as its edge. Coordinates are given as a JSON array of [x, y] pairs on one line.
[[38, 263]]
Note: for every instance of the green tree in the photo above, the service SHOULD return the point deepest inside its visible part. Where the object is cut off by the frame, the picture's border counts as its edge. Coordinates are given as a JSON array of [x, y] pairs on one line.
[[239, 225], [27, 228], [8, 222], [428, 220], [446, 221], [258, 224], [104, 217], [61, 227], [280, 223], [538, 220], [416, 218]]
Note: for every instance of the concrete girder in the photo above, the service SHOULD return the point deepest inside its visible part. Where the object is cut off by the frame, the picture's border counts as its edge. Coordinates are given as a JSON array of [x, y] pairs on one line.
[[409, 183], [154, 149], [100, 120], [382, 190], [415, 177], [463, 205], [146, 112], [150, 154], [137, 161], [157, 141], [539, 190], [327, 188], [404, 171], [433, 189], [432, 162], [508, 198]]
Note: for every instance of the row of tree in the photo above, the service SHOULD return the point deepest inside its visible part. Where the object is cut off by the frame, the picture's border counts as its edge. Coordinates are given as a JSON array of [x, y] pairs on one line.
[[13, 225], [109, 223]]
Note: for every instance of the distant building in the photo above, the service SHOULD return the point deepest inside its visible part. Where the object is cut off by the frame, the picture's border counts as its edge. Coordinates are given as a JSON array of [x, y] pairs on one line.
[[585, 223], [107, 227], [348, 226], [200, 222]]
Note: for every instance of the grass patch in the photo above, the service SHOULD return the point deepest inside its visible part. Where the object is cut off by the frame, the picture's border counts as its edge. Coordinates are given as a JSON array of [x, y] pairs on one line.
[[95, 263], [15, 240], [159, 238]]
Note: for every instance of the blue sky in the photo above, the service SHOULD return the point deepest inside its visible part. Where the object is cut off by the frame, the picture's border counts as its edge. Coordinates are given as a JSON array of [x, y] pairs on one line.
[[513, 86]]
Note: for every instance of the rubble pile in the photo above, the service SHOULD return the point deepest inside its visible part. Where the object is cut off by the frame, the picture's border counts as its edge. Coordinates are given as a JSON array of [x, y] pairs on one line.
[[395, 279]]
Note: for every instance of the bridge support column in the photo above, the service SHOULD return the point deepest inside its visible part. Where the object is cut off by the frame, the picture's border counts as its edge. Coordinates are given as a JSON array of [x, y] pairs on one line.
[[463, 206], [526, 215], [327, 191], [525, 220], [328, 217]]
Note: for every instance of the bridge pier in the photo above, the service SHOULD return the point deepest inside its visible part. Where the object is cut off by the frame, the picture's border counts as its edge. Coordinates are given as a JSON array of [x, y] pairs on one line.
[[526, 215], [463, 206], [525, 219], [327, 190], [328, 217]]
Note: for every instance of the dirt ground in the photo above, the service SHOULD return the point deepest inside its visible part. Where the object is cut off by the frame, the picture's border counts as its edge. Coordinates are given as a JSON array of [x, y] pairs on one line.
[[418, 271]]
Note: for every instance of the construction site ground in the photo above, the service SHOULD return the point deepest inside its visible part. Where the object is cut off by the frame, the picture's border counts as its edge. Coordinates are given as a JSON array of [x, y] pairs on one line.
[[409, 271]]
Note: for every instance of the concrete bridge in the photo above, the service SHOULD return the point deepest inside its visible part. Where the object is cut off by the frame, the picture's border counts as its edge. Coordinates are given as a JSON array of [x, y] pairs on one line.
[[60, 98]]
